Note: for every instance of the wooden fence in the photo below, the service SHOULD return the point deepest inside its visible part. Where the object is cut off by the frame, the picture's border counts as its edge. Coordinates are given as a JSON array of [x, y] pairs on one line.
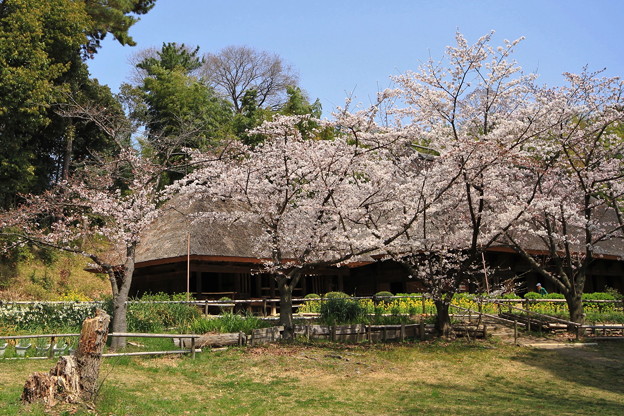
[[53, 349], [339, 333]]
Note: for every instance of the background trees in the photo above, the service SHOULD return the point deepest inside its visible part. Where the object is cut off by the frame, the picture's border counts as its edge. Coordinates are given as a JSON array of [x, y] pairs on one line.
[[42, 47], [237, 69], [175, 107]]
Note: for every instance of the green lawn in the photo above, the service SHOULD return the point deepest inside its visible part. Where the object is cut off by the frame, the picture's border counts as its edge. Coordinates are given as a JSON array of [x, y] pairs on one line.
[[456, 378]]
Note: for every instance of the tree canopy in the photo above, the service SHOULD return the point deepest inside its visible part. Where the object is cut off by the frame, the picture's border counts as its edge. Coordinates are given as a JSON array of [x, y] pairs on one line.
[[43, 44]]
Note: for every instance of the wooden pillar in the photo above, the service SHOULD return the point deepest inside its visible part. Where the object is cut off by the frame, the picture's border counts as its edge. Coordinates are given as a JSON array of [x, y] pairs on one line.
[[258, 279], [198, 282], [272, 286]]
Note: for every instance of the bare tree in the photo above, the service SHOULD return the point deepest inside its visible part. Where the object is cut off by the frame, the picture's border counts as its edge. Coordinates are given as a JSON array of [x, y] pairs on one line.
[[237, 69]]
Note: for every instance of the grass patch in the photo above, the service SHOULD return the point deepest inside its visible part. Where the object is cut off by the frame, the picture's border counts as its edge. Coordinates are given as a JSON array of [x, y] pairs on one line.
[[227, 322], [31, 275], [457, 378]]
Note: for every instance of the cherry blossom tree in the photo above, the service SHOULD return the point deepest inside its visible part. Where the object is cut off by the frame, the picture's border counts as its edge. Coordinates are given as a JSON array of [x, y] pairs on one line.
[[474, 112], [99, 212], [578, 167], [316, 203]]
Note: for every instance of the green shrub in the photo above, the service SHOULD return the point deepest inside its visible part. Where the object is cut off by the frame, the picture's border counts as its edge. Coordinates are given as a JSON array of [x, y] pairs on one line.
[[614, 292], [313, 305], [226, 309], [533, 295], [332, 295], [383, 294], [599, 306], [339, 310], [553, 296], [598, 296], [511, 296]]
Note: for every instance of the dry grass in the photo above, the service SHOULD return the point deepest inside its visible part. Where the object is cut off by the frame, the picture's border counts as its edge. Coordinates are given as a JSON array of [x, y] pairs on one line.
[[427, 378], [34, 279]]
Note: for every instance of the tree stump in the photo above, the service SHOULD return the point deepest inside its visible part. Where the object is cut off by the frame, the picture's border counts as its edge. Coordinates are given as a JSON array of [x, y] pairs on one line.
[[74, 378]]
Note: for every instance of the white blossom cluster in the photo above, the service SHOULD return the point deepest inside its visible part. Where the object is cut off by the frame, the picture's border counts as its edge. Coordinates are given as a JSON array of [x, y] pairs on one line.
[[42, 315]]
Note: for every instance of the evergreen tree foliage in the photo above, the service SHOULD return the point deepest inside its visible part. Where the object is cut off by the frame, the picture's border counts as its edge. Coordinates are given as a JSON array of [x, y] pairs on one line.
[[43, 44]]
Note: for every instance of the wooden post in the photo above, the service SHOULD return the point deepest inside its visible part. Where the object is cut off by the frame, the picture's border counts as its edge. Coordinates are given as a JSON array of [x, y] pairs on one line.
[[51, 349], [193, 348], [188, 266], [515, 331], [402, 336], [333, 333], [422, 328], [385, 333], [368, 333]]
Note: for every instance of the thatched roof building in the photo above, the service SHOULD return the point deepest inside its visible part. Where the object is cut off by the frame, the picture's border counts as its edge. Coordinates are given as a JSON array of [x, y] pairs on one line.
[[219, 259]]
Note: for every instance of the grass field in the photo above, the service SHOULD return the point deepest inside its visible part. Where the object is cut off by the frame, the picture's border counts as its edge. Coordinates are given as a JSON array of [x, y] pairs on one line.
[[434, 378]]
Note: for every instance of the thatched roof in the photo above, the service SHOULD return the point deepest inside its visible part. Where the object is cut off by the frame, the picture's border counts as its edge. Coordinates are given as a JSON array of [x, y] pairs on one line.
[[235, 241], [168, 235], [609, 248]]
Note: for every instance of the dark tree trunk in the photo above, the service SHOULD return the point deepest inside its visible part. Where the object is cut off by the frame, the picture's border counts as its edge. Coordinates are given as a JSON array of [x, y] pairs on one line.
[[286, 309], [120, 299], [286, 284], [575, 306], [443, 317], [70, 133]]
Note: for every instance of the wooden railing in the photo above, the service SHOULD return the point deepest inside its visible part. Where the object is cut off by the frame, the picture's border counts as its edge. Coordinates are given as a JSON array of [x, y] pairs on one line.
[[53, 337]]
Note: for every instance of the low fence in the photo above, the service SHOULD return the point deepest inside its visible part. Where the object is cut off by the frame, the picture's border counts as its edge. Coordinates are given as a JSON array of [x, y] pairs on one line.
[[354, 333], [52, 349]]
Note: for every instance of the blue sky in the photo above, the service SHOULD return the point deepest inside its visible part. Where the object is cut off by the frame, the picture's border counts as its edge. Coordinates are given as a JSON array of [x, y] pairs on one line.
[[341, 47]]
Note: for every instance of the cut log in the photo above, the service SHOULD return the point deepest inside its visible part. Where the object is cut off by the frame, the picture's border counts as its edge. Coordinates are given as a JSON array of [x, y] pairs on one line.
[[216, 340], [73, 378]]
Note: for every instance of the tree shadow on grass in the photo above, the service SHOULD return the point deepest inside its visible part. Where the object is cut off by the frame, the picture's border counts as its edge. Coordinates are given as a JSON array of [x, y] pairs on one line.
[[600, 367], [499, 395]]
